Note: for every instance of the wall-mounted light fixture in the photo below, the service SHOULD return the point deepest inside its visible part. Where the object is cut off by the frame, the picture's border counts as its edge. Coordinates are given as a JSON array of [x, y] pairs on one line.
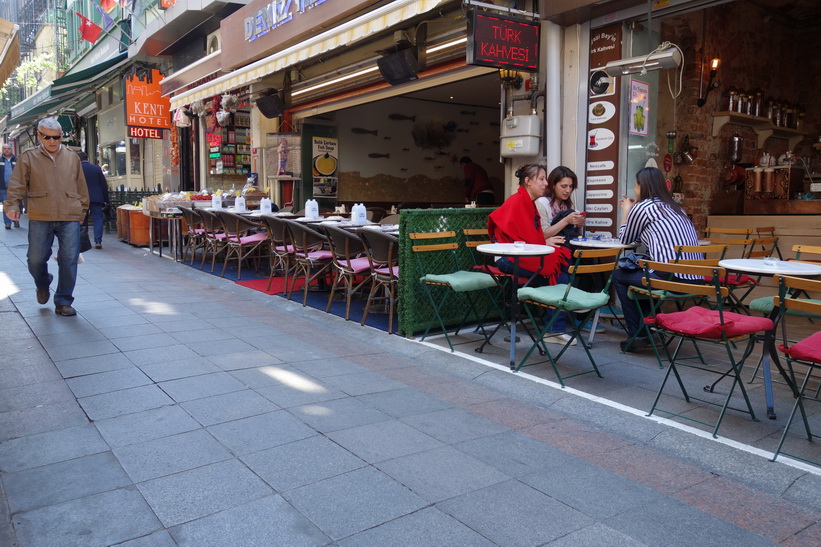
[[511, 78], [711, 84]]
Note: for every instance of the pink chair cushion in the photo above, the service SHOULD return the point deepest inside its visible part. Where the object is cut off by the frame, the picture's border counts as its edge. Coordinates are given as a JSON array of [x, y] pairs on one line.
[[358, 265], [704, 323], [253, 238], [808, 349], [320, 255], [387, 271], [733, 280], [285, 248], [219, 236]]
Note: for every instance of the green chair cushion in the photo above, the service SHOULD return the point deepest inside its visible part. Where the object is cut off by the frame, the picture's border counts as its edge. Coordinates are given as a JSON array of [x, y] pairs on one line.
[[577, 299], [765, 305], [462, 281]]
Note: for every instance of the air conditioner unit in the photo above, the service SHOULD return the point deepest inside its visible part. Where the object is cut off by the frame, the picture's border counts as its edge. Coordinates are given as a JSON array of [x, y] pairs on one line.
[[668, 58], [213, 42]]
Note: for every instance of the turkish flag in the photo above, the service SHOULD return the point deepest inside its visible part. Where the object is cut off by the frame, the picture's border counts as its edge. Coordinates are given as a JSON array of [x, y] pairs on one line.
[[88, 30], [108, 5]]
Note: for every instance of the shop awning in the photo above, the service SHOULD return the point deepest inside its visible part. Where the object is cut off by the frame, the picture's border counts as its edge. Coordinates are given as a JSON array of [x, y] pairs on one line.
[[89, 76], [9, 49], [373, 22], [41, 103]]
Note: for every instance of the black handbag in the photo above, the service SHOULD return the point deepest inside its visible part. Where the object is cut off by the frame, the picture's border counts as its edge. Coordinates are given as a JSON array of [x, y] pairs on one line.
[[85, 241], [568, 232], [630, 262]]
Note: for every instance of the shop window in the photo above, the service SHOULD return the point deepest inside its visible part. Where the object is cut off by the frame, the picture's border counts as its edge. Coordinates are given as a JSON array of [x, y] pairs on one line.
[[136, 161], [113, 159]]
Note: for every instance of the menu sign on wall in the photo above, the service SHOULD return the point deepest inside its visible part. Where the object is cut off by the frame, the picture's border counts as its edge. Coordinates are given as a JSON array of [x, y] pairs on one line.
[[601, 176]]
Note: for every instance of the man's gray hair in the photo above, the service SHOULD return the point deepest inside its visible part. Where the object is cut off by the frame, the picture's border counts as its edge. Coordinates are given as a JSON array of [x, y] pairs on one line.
[[50, 123]]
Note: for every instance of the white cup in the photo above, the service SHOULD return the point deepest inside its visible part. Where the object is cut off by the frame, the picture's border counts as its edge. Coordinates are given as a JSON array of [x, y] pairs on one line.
[[770, 261], [519, 244]]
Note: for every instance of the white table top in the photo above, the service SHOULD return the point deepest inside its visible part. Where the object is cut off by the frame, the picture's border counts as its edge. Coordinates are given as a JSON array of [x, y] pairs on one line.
[[605, 243], [782, 267], [509, 249]]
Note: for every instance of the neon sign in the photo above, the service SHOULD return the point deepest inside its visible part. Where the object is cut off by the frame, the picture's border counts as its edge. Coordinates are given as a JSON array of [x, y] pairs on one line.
[[502, 42]]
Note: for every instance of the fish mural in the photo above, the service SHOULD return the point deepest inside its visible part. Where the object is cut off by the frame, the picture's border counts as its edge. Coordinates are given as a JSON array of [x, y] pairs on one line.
[[462, 131], [376, 155], [386, 138], [360, 131], [428, 158], [403, 168], [467, 112], [406, 150], [473, 123], [402, 117], [441, 153]]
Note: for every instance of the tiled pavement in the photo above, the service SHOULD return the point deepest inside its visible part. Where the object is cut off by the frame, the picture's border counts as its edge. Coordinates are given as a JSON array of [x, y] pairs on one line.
[[178, 408]]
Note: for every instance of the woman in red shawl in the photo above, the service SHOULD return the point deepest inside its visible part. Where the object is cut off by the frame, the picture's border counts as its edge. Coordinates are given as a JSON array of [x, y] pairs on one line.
[[518, 220]]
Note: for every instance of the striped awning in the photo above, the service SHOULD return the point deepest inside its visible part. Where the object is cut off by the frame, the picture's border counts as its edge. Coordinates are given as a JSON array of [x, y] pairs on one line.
[[373, 22], [9, 49]]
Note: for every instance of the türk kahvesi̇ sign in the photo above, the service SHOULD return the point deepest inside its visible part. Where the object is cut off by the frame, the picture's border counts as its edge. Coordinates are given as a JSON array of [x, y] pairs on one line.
[[502, 42]]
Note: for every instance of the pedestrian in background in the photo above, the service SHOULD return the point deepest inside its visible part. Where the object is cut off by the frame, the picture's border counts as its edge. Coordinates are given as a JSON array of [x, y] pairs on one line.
[[7, 163], [97, 196], [51, 176]]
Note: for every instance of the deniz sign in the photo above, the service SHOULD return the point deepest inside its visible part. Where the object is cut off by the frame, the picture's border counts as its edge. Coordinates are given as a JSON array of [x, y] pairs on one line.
[[273, 15], [502, 42]]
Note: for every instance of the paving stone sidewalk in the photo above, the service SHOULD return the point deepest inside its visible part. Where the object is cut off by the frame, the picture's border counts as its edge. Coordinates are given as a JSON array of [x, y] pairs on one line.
[[177, 408]]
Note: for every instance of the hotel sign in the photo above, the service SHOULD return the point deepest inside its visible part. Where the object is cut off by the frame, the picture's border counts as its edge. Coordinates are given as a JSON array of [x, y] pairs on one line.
[[275, 14], [145, 105], [502, 42]]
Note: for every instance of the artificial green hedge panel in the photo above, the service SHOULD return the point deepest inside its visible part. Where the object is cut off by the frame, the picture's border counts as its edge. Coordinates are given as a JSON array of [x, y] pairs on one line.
[[414, 310]]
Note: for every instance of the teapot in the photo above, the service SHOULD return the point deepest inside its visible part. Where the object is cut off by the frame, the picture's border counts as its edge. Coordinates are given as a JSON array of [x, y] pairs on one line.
[[764, 159]]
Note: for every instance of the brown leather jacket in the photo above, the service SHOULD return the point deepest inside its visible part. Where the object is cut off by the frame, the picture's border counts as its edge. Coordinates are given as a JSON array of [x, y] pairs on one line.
[[55, 188]]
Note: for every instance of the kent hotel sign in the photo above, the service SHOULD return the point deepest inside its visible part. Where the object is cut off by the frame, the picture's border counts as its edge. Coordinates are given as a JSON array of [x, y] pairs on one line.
[[263, 27], [147, 112]]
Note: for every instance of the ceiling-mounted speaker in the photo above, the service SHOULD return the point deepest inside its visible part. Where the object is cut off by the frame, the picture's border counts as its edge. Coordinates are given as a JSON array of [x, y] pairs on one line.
[[271, 105], [400, 67]]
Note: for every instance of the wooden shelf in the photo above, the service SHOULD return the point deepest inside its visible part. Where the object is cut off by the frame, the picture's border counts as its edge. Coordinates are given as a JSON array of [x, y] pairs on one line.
[[763, 127]]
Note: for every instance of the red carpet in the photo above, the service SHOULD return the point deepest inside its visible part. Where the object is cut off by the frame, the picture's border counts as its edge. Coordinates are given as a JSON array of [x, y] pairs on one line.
[[277, 285]]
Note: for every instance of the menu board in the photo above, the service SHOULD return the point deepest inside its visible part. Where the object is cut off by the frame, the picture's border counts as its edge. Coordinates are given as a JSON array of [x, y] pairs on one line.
[[604, 107]]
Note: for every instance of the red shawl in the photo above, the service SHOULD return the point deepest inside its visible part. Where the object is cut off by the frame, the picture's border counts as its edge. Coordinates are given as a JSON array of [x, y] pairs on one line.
[[518, 220]]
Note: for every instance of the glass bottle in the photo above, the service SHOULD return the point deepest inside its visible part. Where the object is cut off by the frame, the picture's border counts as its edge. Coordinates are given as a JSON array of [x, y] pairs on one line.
[[789, 117], [770, 109], [758, 104], [800, 122], [777, 120], [741, 104], [732, 99]]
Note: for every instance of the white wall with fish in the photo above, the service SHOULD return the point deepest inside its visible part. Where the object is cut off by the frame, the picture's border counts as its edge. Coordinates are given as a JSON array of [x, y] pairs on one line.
[[416, 142]]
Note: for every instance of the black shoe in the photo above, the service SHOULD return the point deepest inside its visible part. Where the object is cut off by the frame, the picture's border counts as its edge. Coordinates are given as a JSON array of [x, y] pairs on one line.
[[98, 245], [67, 311], [16, 223], [638, 343], [42, 296], [8, 226]]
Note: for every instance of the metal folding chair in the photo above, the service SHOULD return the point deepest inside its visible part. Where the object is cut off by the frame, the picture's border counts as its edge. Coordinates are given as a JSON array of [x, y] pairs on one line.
[[565, 298], [701, 324]]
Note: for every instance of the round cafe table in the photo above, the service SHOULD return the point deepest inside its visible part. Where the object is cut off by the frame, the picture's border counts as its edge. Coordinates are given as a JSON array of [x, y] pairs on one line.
[[515, 251], [768, 266], [604, 243]]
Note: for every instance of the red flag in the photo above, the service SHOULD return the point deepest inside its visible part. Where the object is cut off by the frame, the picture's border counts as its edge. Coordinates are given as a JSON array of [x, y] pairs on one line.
[[88, 30], [108, 5]]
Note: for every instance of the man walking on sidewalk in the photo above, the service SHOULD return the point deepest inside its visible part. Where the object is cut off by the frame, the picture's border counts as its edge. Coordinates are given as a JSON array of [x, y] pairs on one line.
[[52, 178], [97, 195], [7, 163]]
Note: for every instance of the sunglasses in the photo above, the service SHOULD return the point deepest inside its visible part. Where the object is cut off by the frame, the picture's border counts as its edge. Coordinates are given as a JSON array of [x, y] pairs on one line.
[[50, 137]]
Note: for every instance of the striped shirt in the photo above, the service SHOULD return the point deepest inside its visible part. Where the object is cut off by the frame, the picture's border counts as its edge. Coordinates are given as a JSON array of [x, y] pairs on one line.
[[656, 225]]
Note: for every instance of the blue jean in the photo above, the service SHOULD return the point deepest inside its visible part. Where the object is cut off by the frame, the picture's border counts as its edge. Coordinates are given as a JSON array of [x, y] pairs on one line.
[[41, 238], [3, 194], [97, 219], [506, 266]]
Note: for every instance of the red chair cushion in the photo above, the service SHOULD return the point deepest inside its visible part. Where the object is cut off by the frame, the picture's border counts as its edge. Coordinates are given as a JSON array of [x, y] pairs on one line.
[[733, 280], [808, 349], [704, 323], [496, 272]]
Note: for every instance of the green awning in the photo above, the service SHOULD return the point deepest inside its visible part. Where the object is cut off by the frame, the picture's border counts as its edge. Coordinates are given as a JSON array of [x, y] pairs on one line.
[[88, 76], [38, 104]]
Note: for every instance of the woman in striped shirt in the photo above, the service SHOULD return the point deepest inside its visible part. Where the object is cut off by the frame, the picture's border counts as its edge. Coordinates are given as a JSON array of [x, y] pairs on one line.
[[659, 223]]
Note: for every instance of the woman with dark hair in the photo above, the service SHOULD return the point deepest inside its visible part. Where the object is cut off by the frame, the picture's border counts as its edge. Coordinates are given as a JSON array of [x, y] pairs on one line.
[[654, 220], [561, 182], [518, 220]]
